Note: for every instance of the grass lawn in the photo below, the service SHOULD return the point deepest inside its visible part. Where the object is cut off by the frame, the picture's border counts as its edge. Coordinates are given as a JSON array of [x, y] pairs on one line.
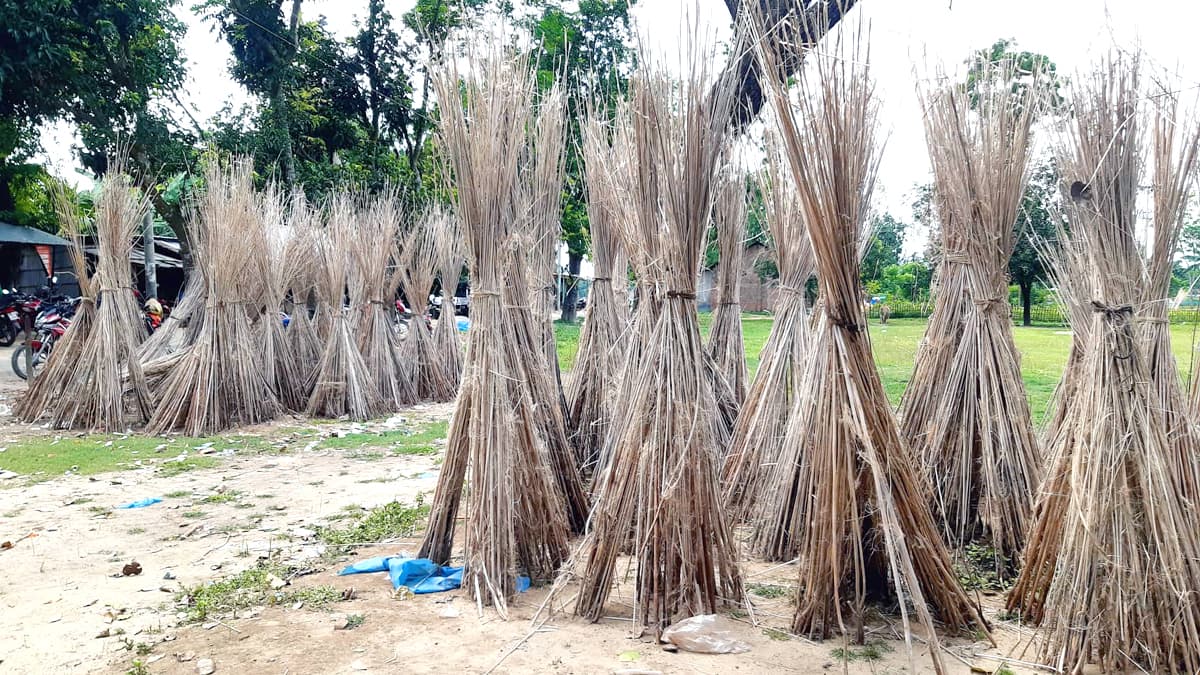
[[1043, 352]]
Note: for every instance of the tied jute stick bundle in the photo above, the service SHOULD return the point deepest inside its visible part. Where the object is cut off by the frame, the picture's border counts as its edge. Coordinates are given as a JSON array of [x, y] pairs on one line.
[[1176, 152], [537, 222], [447, 347], [217, 381], [1067, 269], [725, 337], [418, 264], [758, 436], [284, 370], [93, 379], [635, 186], [859, 498], [516, 521], [543, 186], [302, 258], [965, 413], [663, 475], [344, 385], [602, 338], [373, 276], [1111, 563]]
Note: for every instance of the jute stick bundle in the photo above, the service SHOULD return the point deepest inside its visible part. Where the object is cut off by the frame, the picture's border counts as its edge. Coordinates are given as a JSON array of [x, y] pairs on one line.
[[1110, 567], [543, 187], [418, 264], [93, 379], [725, 337], [857, 500], [1176, 152], [447, 346], [635, 183], [602, 338], [965, 413], [302, 257], [373, 276], [282, 367], [344, 385], [662, 478], [516, 521], [758, 435], [217, 382]]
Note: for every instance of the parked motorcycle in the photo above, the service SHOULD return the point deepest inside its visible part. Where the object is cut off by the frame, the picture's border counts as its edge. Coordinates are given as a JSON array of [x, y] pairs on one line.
[[50, 325]]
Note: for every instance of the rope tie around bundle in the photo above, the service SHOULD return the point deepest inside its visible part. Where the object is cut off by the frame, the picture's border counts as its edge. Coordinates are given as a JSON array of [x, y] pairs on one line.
[[992, 304], [1112, 312], [682, 295], [787, 288], [957, 257]]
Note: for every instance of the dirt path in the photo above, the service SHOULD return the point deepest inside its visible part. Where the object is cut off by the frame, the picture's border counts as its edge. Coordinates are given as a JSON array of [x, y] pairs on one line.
[[62, 586]]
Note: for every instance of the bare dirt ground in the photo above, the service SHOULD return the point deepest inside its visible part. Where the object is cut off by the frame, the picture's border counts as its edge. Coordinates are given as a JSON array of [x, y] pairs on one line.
[[67, 607]]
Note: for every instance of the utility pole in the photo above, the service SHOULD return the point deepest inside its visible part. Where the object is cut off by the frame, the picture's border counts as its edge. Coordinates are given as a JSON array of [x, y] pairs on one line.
[[148, 256]]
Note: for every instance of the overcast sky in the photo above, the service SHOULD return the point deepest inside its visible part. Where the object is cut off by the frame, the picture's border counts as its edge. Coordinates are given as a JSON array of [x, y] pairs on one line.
[[909, 38]]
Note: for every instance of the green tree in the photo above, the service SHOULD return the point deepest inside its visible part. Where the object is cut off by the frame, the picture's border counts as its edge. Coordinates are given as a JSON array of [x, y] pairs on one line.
[[264, 44], [887, 241], [98, 64], [586, 50], [1027, 266]]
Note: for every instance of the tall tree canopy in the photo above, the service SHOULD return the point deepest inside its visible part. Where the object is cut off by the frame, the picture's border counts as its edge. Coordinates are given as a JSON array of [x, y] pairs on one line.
[[99, 64]]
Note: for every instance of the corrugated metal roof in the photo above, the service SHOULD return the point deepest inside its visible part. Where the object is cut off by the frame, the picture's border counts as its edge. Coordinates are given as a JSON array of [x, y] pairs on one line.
[[16, 234]]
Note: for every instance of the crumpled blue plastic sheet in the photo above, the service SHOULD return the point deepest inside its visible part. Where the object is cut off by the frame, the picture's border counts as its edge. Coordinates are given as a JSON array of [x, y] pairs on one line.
[[140, 503], [420, 575]]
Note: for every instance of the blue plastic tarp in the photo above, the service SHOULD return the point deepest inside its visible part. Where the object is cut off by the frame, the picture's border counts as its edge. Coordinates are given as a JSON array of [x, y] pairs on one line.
[[420, 575], [140, 503]]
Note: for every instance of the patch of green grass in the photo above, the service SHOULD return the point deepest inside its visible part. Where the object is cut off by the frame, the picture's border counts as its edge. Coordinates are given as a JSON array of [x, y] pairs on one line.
[[138, 668], [315, 597], [1004, 670], [178, 494], [982, 568], [390, 521], [14, 513], [97, 509], [46, 457], [251, 588], [169, 469], [197, 513], [872, 651], [136, 530], [354, 621], [222, 497], [396, 441], [1043, 352], [770, 591]]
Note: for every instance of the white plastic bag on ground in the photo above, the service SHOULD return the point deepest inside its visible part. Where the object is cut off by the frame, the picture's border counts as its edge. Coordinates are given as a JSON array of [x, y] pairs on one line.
[[705, 634]]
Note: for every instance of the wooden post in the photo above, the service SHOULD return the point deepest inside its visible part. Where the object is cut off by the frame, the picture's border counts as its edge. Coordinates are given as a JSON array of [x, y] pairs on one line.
[[149, 256], [28, 324]]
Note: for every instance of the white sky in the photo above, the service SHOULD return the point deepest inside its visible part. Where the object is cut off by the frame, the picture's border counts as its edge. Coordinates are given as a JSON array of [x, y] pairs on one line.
[[908, 39]]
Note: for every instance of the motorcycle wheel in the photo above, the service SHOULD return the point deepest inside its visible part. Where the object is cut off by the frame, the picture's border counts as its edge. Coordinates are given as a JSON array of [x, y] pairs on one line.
[[18, 361], [8, 333]]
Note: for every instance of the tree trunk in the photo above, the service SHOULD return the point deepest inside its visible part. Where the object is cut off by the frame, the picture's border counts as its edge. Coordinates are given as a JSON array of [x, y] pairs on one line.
[[1026, 301], [571, 298], [7, 201], [279, 104]]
